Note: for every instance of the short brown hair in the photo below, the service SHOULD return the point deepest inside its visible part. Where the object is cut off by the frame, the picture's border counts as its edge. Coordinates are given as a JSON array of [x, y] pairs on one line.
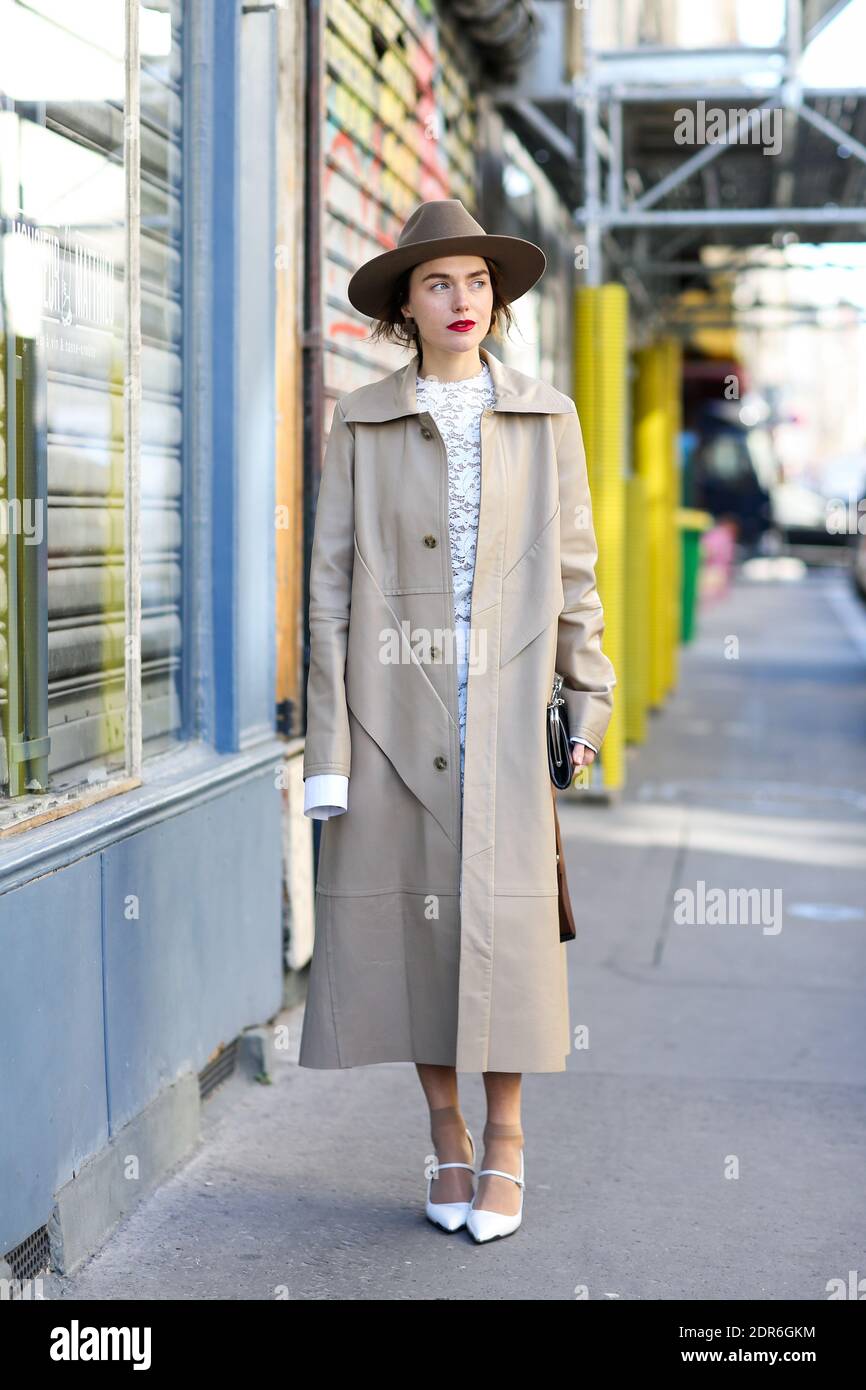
[[393, 328]]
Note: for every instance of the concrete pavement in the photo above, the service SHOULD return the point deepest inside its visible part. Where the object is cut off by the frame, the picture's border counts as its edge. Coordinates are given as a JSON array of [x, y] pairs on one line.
[[710, 1141]]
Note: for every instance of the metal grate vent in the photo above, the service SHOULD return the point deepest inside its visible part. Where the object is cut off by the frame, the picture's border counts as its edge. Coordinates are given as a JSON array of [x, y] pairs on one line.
[[218, 1069], [31, 1257]]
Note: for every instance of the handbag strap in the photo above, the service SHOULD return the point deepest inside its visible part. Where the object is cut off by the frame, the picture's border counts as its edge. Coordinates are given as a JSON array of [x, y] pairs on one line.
[[567, 926]]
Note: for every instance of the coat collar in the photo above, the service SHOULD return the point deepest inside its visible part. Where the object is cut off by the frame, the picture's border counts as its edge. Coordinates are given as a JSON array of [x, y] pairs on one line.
[[394, 396]]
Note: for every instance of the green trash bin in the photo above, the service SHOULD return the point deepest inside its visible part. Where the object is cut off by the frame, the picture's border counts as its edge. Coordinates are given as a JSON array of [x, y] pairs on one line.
[[692, 524]]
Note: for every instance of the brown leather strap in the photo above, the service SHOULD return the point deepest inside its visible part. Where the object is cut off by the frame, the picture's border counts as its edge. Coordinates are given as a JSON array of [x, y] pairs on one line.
[[567, 929]]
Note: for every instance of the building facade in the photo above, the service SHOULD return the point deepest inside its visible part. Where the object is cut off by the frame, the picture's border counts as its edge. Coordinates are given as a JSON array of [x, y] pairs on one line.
[[141, 913]]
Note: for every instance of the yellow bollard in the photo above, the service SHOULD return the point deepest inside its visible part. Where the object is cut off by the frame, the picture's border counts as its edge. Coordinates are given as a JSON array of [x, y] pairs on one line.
[[657, 422], [637, 610]]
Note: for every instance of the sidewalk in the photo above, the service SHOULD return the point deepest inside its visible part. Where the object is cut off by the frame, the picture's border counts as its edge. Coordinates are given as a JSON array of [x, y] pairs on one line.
[[710, 1045]]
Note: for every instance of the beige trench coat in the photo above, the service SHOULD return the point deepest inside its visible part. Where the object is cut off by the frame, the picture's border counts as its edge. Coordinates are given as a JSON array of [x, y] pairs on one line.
[[437, 930]]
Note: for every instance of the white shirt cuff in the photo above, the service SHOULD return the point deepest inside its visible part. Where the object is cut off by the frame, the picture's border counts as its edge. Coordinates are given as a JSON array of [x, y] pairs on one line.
[[574, 739], [325, 795]]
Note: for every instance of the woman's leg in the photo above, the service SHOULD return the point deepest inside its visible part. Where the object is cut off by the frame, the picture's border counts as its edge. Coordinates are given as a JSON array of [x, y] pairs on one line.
[[448, 1133], [503, 1140]]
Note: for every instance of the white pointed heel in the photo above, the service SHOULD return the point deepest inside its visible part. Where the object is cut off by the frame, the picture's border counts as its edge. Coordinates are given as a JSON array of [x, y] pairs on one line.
[[490, 1225], [449, 1215]]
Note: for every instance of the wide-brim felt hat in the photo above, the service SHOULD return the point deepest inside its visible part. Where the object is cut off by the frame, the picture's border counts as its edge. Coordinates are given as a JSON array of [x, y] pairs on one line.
[[443, 227]]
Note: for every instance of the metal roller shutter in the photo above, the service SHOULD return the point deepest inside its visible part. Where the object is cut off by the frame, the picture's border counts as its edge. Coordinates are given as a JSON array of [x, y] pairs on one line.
[[162, 388], [83, 322]]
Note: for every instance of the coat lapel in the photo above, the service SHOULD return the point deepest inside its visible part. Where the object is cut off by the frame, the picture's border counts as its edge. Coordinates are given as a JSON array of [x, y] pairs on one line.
[[394, 396]]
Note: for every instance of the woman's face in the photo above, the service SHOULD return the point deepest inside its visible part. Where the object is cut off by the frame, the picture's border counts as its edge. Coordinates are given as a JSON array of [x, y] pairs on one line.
[[451, 300]]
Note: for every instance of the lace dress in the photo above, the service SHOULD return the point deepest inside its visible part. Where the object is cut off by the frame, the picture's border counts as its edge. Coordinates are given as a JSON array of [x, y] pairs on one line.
[[456, 407]]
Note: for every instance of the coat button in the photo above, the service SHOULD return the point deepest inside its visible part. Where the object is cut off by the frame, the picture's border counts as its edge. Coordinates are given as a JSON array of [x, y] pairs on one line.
[[430, 541], [427, 434], [440, 761]]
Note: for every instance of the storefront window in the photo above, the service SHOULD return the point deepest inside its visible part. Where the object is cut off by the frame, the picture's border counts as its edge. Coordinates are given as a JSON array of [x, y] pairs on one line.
[[64, 466]]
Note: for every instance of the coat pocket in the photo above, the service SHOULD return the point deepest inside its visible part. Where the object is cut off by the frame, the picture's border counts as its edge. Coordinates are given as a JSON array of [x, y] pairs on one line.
[[532, 592]]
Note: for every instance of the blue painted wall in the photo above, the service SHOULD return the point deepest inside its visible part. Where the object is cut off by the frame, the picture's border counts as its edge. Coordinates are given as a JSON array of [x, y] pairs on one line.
[[100, 1009], [127, 954]]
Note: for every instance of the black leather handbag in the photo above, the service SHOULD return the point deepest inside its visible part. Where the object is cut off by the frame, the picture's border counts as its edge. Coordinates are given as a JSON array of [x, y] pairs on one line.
[[558, 747]]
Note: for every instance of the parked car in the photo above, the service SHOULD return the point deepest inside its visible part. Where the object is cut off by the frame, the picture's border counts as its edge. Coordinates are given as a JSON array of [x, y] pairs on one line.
[[858, 568], [726, 481], [822, 510], [857, 541], [800, 515]]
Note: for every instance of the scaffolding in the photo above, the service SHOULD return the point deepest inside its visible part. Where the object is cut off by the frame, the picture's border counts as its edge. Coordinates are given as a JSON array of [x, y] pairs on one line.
[[610, 134], [663, 152]]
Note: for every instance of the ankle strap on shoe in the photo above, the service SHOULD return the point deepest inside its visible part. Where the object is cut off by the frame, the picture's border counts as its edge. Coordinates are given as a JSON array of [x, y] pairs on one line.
[[499, 1174]]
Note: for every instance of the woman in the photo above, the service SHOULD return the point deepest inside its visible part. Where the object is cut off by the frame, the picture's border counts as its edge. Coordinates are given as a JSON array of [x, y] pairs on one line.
[[452, 574]]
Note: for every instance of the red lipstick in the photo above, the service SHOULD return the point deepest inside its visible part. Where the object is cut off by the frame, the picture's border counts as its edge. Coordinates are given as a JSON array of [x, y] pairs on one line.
[[462, 325]]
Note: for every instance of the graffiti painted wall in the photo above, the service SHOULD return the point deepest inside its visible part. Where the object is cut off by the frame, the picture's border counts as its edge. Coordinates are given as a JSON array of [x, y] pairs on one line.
[[400, 129]]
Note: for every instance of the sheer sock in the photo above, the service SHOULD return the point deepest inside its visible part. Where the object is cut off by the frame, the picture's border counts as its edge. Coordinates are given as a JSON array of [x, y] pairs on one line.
[[502, 1144], [451, 1145]]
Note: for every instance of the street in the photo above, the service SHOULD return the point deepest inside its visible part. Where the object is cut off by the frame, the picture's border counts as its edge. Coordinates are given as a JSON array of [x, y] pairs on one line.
[[709, 1141]]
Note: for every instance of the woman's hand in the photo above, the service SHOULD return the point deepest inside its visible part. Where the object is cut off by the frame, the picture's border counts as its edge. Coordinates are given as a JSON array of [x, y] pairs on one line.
[[582, 756]]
